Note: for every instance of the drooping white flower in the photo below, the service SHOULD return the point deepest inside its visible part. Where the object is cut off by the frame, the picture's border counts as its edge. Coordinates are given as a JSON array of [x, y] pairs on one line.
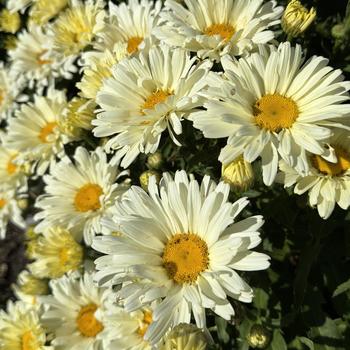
[[327, 183], [180, 244], [275, 106]]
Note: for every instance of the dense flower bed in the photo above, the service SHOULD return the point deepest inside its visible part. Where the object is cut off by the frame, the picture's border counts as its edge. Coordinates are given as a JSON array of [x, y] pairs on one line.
[[178, 172]]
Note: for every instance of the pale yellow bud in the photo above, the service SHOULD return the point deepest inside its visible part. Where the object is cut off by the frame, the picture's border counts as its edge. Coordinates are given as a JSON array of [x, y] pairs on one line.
[[185, 337], [155, 160], [238, 174], [22, 203], [9, 22], [296, 18], [259, 337], [144, 178]]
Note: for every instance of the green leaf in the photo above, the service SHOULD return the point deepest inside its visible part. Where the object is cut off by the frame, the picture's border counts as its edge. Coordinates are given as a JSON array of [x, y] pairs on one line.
[[222, 330], [342, 288], [328, 336], [278, 342], [308, 342]]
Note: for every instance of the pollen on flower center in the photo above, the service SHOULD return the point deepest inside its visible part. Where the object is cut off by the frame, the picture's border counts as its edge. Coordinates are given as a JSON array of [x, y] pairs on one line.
[[28, 341], [2, 202], [133, 44], [333, 169], [11, 167], [146, 321], [158, 96], [88, 198], [46, 131], [185, 256], [87, 323], [275, 112], [226, 31]]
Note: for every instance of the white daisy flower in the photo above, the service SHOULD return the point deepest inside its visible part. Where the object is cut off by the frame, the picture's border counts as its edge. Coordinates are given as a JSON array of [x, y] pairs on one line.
[[78, 194], [180, 244], [213, 28], [327, 183], [35, 132], [20, 328], [9, 210], [147, 95], [130, 24], [275, 106], [75, 313], [32, 58]]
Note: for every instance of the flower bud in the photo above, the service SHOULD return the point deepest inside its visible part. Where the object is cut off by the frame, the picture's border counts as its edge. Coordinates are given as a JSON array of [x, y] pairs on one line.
[[9, 22], [185, 337], [259, 337], [238, 174], [144, 178], [155, 160], [296, 18]]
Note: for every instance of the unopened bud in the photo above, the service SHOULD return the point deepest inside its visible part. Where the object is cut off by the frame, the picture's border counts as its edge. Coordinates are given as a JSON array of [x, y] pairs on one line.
[[185, 337], [238, 174], [155, 160], [296, 18], [259, 337], [144, 178]]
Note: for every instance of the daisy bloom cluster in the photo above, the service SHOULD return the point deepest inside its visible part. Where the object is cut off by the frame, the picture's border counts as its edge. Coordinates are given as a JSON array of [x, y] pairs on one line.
[[131, 134]]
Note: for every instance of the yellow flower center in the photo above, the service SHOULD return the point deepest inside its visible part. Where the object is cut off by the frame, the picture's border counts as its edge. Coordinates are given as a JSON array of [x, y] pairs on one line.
[[333, 169], [87, 323], [275, 112], [28, 341], [147, 320], [226, 31], [158, 96], [46, 131], [88, 198], [185, 256], [2, 202], [133, 44], [11, 167]]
